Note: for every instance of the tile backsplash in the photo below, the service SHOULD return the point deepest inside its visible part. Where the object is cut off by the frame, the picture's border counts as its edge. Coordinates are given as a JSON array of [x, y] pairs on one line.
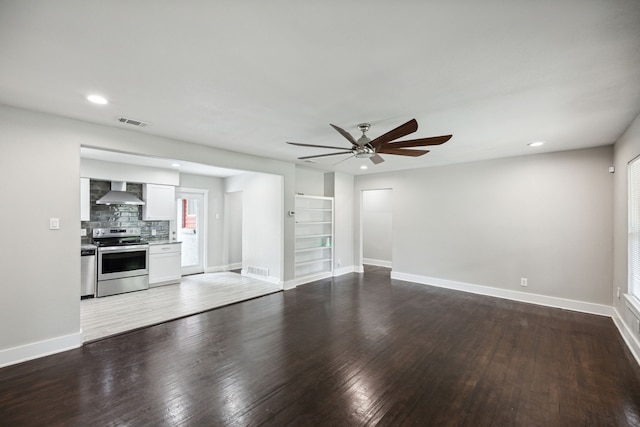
[[120, 215]]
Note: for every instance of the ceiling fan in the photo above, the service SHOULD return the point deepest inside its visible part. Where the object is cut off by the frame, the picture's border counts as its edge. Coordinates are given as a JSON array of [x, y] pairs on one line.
[[366, 148]]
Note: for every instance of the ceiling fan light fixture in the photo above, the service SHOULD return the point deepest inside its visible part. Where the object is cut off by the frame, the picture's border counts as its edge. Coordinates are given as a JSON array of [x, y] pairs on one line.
[[364, 152]]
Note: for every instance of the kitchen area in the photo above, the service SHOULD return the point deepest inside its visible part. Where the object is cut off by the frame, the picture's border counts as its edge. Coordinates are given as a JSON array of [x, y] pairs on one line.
[[127, 232], [132, 256]]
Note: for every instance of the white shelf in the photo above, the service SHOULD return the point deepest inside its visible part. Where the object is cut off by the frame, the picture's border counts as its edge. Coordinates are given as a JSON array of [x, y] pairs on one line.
[[314, 229], [313, 261], [313, 222], [315, 248]]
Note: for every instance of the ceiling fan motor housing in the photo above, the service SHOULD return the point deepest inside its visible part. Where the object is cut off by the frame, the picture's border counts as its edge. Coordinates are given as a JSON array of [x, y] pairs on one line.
[[363, 140]]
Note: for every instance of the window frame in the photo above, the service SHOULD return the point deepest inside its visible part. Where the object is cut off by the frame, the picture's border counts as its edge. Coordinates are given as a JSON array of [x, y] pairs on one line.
[[633, 230]]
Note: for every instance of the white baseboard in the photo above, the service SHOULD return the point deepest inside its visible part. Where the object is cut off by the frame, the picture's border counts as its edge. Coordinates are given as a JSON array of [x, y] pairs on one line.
[[219, 268], [11, 356], [359, 268], [270, 279], [574, 305], [376, 262], [290, 284], [344, 270], [627, 335]]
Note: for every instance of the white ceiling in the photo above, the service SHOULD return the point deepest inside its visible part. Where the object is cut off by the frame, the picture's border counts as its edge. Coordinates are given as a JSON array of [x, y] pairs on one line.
[[249, 75]]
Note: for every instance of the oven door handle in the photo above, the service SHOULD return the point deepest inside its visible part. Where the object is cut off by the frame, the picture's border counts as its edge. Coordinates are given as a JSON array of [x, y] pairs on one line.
[[131, 248]]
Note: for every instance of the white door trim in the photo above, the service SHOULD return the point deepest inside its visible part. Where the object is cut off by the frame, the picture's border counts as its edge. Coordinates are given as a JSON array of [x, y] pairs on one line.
[[202, 193]]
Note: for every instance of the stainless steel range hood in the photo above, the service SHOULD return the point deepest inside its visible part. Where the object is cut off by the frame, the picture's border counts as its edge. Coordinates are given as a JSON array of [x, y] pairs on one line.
[[119, 196]]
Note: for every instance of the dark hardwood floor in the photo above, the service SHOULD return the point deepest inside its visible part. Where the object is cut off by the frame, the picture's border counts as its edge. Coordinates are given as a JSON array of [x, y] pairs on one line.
[[355, 350]]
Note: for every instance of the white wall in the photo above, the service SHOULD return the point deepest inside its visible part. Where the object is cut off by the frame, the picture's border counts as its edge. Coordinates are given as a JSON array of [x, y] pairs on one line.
[[233, 218], [309, 181], [215, 205], [376, 227], [110, 171], [545, 217], [262, 220], [625, 150], [40, 269], [40, 171]]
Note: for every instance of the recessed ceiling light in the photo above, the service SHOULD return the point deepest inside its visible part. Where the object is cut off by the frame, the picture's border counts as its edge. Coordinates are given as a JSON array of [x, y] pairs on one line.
[[535, 144], [364, 167], [97, 99], [175, 165]]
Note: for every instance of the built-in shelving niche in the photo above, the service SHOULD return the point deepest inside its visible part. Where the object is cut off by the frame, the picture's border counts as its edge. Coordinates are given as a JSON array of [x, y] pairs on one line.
[[314, 237]]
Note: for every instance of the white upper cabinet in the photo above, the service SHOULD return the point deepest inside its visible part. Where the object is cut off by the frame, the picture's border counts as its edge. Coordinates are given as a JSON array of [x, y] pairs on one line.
[[160, 202], [85, 200]]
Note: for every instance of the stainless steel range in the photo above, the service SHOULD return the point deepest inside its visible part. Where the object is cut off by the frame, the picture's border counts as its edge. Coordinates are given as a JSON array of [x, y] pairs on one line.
[[123, 261]]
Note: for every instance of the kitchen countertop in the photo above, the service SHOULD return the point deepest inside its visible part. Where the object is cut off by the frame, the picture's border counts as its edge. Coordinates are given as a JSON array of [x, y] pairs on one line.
[[87, 246], [163, 242]]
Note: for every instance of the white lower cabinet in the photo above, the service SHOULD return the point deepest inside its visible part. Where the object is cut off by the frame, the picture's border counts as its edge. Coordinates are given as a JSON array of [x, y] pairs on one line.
[[165, 264]]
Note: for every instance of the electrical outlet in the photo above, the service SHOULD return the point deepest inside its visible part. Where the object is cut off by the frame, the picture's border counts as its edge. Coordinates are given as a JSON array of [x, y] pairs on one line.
[[153, 232], [523, 281], [338, 262], [618, 293], [83, 232], [54, 223]]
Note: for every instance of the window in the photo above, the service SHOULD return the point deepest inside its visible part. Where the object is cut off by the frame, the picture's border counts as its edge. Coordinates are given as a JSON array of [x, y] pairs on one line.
[[189, 213], [634, 227], [191, 207]]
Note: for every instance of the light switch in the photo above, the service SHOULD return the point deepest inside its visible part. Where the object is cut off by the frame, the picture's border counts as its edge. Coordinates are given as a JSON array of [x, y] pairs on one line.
[[54, 223]]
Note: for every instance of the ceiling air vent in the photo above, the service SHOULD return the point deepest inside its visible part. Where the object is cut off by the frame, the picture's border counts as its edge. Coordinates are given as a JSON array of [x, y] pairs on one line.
[[133, 122]]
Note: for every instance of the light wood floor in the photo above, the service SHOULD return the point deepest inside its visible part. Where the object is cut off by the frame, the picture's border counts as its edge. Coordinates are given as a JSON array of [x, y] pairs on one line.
[[108, 316]]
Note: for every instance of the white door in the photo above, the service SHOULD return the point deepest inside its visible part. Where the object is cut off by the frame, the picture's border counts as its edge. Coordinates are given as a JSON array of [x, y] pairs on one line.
[[191, 229]]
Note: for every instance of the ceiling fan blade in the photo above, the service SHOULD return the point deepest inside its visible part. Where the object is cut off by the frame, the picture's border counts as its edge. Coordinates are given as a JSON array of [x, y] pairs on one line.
[[376, 159], [346, 134], [324, 155], [317, 146], [343, 160], [402, 130], [421, 142], [402, 151]]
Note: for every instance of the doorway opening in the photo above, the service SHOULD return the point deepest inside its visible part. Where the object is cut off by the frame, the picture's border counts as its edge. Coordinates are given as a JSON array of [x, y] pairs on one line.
[[376, 221]]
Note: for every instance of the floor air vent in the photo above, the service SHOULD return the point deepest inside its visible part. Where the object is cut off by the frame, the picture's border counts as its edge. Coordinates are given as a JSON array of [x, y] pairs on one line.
[[133, 122], [258, 271]]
